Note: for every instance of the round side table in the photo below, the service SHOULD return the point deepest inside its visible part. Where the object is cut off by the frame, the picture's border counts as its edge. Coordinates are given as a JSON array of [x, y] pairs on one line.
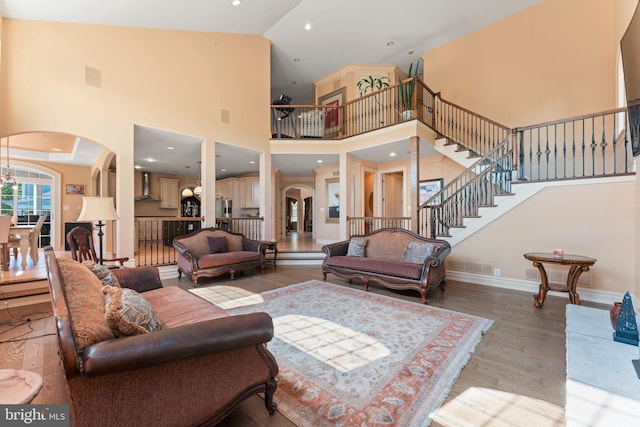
[[19, 387]]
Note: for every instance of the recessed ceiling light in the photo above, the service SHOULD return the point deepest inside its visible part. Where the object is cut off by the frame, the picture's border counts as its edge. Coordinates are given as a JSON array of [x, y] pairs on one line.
[[151, 160], [170, 148], [223, 170], [137, 167], [307, 26], [56, 149], [235, 3], [392, 154], [252, 162], [319, 160]]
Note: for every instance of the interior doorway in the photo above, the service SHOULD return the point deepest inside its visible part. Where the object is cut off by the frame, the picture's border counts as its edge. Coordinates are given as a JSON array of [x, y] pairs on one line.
[[392, 194]]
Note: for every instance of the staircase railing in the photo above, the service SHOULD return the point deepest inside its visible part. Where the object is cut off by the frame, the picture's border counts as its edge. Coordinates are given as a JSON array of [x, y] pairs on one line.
[[475, 188], [592, 145], [474, 132]]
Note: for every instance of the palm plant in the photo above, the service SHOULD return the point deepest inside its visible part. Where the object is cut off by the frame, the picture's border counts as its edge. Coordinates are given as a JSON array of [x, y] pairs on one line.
[[372, 84], [407, 89]]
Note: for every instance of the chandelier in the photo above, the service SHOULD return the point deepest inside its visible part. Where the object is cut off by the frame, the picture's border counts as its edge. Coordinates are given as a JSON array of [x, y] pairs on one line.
[[198, 190], [187, 192], [7, 178]]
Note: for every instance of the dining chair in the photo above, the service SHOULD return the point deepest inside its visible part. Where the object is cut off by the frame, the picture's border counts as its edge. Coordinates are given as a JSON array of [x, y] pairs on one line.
[[80, 242], [5, 224], [34, 236]]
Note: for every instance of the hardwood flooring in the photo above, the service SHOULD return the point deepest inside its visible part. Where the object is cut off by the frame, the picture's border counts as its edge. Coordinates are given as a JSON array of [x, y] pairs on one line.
[[523, 354]]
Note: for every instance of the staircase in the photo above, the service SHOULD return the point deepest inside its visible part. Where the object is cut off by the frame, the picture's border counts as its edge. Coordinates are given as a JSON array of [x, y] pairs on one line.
[[507, 166]]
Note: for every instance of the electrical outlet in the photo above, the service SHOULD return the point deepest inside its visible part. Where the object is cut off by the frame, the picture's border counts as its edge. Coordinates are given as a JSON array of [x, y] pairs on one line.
[[497, 272]]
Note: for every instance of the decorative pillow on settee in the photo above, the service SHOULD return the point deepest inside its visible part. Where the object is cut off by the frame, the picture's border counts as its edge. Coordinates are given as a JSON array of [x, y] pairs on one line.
[[357, 246], [417, 252], [128, 313], [217, 245], [103, 273]]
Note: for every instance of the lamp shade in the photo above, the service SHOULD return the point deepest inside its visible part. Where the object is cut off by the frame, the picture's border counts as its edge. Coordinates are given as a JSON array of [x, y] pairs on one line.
[[98, 209], [198, 190]]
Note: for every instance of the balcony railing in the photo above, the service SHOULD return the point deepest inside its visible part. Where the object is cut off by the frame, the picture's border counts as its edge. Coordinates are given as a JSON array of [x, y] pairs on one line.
[[368, 113]]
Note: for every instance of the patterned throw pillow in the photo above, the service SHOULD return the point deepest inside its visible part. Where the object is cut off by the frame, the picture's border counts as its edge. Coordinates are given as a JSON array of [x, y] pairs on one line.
[[103, 273], [217, 245], [85, 302], [128, 313], [356, 246], [417, 252]]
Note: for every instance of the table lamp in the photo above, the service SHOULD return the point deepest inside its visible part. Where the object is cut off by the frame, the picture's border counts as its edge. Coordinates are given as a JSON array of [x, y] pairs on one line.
[[98, 209]]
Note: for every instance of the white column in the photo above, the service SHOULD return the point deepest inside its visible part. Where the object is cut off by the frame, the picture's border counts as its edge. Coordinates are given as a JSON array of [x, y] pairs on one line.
[[346, 184], [208, 181], [266, 196]]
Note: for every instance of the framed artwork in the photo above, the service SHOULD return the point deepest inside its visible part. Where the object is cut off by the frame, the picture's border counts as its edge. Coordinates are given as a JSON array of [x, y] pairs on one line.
[[75, 189], [332, 198], [332, 118], [429, 188]]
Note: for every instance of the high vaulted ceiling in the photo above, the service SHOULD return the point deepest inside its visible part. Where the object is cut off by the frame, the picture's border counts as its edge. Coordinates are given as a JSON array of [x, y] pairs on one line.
[[341, 33]]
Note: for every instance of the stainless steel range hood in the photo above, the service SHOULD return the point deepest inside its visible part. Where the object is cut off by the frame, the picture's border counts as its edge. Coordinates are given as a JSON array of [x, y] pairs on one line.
[[146, 188]]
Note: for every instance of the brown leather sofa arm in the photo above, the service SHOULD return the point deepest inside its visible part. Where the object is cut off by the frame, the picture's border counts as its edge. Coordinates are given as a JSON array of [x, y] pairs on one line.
[[141, 351], [336, 249], [140, 279]]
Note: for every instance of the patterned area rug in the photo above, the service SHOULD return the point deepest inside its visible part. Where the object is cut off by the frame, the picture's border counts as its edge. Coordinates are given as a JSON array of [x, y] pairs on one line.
[[349, 357]]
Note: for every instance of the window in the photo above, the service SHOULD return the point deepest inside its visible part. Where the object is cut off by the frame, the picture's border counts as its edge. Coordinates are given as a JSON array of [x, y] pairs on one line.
[[294, 211], [31, 199]]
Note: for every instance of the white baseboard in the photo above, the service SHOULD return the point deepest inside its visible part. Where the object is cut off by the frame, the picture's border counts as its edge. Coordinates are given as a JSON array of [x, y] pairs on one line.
[[592, 295]]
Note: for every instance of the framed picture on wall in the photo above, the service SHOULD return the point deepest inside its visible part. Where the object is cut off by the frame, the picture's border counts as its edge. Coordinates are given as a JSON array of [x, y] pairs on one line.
[[333, 115], [75, 189], [429, 188], [332, 198]]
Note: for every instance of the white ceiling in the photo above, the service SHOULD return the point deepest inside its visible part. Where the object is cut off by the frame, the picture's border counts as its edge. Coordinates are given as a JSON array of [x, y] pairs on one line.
[[342, 33]]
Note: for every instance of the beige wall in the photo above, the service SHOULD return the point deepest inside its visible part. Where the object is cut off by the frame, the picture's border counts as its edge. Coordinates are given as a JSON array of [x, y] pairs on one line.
[[595, 220], [187, 82], [552, 60]]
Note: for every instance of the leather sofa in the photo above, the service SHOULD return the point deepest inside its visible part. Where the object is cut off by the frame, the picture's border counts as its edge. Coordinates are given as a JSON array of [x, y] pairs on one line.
[[198, 258], [194, 368], [392, 257]]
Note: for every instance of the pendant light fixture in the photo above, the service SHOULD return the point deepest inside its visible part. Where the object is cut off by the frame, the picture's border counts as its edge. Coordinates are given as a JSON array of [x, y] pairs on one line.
[[198, 190], [187, 191]]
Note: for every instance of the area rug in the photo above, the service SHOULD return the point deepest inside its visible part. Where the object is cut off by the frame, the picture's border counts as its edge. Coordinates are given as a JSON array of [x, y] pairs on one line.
[[353, 358]]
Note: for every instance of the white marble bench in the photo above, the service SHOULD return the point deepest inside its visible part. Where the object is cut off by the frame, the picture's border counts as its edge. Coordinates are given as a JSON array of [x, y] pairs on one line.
[[602, 386]]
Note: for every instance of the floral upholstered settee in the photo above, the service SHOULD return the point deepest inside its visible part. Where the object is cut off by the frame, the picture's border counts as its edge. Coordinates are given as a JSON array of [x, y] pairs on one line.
[[392, 257], [210, 252], [135, 353]]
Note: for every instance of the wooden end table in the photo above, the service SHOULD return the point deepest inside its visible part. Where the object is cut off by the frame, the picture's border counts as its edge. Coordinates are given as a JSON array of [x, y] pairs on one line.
[[577, 265]]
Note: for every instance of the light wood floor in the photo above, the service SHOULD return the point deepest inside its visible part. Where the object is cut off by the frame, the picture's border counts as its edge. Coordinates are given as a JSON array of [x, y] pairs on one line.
[[523, 353]]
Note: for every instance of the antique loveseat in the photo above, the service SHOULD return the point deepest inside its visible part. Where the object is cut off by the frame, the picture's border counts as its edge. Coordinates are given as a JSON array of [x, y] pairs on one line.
[[181, 362], [392, 257], [210, 252]]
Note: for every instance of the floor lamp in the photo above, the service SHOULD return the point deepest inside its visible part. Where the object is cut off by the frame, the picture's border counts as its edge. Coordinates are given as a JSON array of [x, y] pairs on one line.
[[98, 209]]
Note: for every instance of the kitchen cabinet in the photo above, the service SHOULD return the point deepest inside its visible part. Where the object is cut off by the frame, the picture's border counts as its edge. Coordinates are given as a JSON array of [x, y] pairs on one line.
[[224, 188], [169, 193], [250, 192]]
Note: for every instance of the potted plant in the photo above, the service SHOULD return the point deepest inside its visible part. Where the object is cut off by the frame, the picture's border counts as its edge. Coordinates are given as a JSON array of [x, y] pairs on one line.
[[372, 84], [406, 91]]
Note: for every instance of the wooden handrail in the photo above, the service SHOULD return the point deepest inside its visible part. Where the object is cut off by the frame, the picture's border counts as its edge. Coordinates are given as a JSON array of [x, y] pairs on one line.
[[572, 119]]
